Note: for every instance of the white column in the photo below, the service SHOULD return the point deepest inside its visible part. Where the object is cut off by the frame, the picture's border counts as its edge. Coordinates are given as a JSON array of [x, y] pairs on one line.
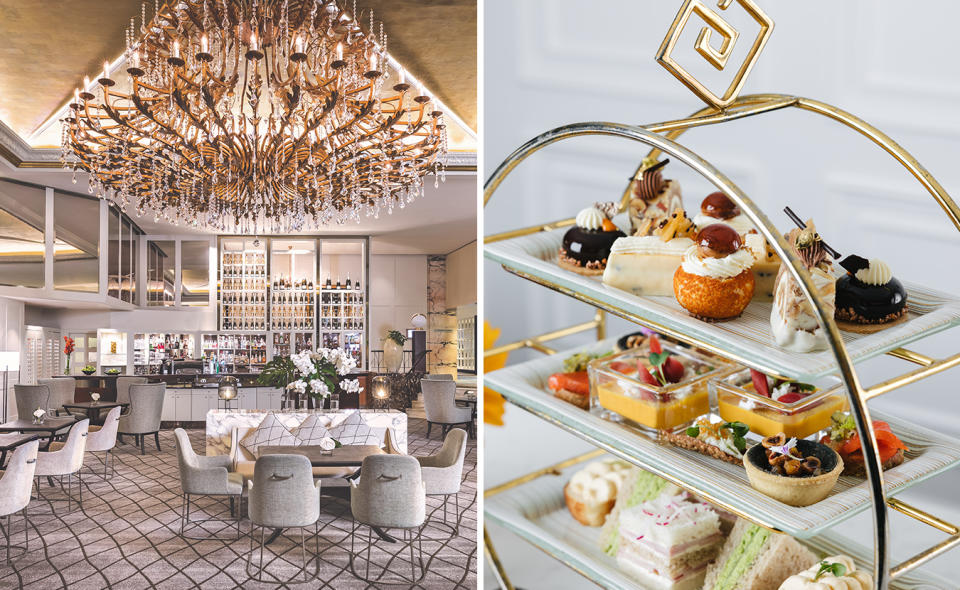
[[177, 272], [104, 247], [48, 241]]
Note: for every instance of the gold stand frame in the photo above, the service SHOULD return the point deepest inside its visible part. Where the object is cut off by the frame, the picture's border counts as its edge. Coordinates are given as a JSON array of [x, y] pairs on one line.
[[661, 138]]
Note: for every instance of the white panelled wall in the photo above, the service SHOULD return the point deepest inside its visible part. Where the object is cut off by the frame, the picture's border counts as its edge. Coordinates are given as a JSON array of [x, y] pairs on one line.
[[398, 291], [11, 340], [552, 62]]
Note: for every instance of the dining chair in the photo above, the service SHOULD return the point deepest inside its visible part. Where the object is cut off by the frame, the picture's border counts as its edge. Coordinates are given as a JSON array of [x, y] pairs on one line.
[[65, 459], [389, 494], [62, 391], [29, 398], [442, 472], [102, 439], [283, 495], [440, 407], [16, 485], [205, 476], [146, 404]]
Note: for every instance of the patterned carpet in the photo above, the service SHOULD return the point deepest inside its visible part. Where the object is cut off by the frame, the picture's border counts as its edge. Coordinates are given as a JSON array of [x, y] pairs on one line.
[[127, 534]]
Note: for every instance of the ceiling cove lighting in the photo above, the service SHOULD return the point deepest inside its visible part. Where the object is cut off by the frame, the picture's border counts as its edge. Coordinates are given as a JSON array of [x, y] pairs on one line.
[[254, 116]]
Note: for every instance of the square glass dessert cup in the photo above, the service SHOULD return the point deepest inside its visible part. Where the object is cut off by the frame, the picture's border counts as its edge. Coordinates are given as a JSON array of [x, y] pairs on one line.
[[617, 393], [738, 400]]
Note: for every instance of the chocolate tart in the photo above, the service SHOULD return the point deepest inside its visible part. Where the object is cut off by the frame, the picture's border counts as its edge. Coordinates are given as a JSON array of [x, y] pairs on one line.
[[586, 250], [794, 490]]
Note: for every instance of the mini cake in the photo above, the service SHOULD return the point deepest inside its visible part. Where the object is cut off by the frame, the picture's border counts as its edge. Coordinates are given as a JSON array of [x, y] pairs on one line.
[[668, 542], [591, 492], [795, 472], [718, 208], [792, 319], [586, 246], [715, 282], [754, 558], [837, 572], [653, 199], [843, 438], [645, 265], [868, 297]]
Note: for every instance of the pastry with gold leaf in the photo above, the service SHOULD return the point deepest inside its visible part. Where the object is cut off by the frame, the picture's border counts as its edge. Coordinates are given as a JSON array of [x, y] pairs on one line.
[[654, 198], [792, 319], [644, 265], [715, 280], [586, 246]]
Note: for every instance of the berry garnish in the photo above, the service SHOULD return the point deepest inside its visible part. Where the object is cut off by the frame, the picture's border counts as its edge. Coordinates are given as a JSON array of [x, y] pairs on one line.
[[622, 367], [760, 382], [789, 398], [645, 375], [655, 346], [672, 370]]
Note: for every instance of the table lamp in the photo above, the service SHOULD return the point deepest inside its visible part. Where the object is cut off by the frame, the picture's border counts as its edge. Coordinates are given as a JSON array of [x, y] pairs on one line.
[[381, 387], [227, 390], [9, 361]]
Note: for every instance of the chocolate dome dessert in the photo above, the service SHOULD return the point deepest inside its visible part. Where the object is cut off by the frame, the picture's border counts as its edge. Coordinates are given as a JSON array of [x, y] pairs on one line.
[[586, 246], [869, 297]]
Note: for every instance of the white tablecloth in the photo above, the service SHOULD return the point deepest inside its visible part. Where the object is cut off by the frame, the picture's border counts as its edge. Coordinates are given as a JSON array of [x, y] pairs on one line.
[[221, 422]]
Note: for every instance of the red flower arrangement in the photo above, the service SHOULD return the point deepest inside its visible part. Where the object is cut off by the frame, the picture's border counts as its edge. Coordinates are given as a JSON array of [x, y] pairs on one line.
[[68, 345]]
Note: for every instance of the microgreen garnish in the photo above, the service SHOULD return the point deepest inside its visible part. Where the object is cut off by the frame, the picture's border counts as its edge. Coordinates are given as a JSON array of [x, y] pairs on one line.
[[578, 361], [657, 359], [693, 431], [739, 430], [838, 570], [842, 426], [805, 386]]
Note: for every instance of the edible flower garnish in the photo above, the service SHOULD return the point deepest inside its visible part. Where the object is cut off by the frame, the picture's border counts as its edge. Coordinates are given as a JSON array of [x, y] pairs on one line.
[[838, 570]]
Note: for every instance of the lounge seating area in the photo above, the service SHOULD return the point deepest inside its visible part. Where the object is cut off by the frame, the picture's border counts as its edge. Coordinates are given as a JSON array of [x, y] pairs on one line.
[[135, 516]]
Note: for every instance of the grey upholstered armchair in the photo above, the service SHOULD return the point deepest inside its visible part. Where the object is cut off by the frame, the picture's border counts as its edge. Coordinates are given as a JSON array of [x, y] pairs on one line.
[[389, 495], [440, 407], [16, 485], [146, 403], [205, 476], [62, 391], [29, 398], [282, 494], [443, 472], [102, 439], [123, 389]]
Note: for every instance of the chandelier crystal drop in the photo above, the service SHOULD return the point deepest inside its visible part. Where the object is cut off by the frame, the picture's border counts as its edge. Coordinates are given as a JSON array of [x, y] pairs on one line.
[[254, 116]]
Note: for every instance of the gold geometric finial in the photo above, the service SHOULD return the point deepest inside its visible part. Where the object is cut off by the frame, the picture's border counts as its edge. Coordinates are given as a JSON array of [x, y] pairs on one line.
[[716, 56]]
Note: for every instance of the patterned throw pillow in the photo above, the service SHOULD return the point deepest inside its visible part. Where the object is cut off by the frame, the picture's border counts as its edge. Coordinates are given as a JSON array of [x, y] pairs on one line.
[[354, 431], [269, 432], [312, 432]]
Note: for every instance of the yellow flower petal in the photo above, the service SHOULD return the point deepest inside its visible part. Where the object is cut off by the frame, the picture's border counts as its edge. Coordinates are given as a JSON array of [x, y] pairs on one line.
[[493, 402]]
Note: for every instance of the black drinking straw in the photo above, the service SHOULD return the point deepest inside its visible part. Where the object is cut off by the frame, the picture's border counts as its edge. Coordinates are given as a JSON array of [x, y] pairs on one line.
[[800, 223]]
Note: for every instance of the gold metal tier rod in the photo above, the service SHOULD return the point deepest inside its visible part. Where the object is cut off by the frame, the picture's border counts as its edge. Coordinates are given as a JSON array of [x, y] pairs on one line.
[[536, 342], [495, 564], [924, 556], [554, 469], [911, 377], [923, 516], [911, 356]]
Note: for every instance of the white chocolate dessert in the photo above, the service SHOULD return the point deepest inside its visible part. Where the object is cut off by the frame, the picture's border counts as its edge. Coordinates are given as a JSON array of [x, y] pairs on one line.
[[644, 265], [654, 199], [792, 319], [838, 572]]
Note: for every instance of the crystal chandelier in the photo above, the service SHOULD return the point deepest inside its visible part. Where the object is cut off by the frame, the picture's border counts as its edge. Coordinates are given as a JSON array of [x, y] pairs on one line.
[[254, 116]]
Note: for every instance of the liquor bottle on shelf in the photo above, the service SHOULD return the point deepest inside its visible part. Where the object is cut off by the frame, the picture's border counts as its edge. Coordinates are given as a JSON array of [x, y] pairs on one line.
[[349, 284]]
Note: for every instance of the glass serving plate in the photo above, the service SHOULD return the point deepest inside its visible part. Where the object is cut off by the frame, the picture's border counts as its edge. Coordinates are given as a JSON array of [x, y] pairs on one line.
[[525, 385], [737, 400], [618, 393], [747, 339], [537, 512]]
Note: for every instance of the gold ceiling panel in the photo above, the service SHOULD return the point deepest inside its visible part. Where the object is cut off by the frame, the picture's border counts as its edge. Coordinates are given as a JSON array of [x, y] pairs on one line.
[[48, 45]]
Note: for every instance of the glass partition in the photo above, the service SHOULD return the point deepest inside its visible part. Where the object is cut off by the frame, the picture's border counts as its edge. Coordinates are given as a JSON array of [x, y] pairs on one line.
[[22, 211], [195, 273], [113, 253], [342, 307], [160, 273], [76, 247]]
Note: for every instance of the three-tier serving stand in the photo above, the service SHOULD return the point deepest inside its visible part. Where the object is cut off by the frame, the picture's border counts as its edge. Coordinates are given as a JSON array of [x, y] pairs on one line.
[[662, 139]]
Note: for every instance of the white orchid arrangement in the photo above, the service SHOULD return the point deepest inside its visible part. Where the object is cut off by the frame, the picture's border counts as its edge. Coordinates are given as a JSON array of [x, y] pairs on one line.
[[39, 413], [319, 372]]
